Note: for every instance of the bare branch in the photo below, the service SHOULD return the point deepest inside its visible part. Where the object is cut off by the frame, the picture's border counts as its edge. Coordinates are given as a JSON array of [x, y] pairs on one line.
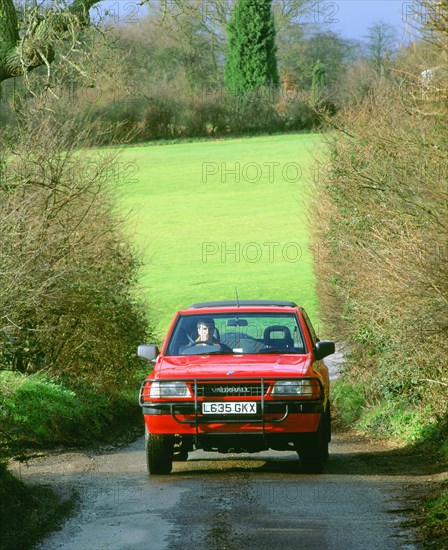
[[36, 47]]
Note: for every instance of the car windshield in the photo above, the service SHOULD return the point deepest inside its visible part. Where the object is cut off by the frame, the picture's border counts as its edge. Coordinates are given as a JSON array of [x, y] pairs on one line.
[[236, 333]]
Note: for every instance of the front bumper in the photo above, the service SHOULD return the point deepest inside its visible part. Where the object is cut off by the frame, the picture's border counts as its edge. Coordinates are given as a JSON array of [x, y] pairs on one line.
[[274, 414]]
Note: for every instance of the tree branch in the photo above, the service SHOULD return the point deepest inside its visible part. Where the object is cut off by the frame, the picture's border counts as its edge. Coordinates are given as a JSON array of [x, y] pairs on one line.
[[35, 48], [9, 35]]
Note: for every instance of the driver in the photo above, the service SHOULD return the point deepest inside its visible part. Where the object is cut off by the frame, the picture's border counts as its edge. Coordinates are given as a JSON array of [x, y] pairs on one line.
[[206, 328]]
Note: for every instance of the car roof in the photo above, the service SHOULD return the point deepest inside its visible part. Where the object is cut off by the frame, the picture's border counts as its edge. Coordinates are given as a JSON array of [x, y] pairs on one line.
[[244, 303]]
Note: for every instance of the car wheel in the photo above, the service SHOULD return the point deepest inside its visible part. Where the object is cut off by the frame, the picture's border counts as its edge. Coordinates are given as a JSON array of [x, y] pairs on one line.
[[314, 451], [326, 417], [328, 413], [159, 453], [180, 450]]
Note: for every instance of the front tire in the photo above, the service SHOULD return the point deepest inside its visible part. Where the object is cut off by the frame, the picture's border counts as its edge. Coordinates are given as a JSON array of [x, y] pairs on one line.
[[314, 452], [159, 453]]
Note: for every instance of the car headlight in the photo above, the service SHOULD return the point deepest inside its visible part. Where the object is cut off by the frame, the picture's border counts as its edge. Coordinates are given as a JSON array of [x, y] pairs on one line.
[[169, 389], [302, 388]]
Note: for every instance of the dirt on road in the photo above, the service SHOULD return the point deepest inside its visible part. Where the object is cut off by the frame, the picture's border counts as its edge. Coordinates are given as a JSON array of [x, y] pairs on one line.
[[212, 501]]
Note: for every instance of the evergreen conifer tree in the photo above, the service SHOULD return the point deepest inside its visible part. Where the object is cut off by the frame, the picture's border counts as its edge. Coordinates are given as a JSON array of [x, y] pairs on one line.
[[251, 61]]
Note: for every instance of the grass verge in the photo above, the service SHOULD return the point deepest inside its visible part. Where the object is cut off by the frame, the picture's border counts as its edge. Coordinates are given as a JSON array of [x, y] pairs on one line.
[[27, 513], [394, 419], [422, 438], [39, 412], [434, 525]]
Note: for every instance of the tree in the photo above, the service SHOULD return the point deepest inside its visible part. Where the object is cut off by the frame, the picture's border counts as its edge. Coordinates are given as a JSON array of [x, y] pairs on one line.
[[381, 45], [20, 54], [301, 51], [30, 35], [318, 81], [251, 61], [164, 48]]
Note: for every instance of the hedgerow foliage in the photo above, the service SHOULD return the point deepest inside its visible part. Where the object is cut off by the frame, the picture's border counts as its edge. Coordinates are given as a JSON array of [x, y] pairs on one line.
[[68, 272], [382, 215]]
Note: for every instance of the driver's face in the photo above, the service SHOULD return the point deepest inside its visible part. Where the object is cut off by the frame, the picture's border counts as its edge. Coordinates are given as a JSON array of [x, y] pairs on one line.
[[205, 332]]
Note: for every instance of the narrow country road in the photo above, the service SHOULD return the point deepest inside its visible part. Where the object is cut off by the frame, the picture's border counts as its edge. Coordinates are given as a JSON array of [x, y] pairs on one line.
[[215, 501]]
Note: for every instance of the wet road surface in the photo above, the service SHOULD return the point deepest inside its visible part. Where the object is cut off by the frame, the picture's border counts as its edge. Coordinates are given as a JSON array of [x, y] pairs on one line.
[[215, 501]]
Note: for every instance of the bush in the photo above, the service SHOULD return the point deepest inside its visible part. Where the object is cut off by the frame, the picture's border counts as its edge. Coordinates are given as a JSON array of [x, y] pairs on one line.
[[380, 224], [116, 121], [115, 117], [161, 118], [349, 400], [68, 303], [297, 114], [205, 117]]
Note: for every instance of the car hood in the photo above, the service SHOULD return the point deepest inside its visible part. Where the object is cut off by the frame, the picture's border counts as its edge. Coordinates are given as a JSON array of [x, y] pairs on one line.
[[232, 366]]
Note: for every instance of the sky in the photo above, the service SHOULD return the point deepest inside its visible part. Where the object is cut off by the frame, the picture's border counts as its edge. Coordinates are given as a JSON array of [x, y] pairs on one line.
[[351, 18]]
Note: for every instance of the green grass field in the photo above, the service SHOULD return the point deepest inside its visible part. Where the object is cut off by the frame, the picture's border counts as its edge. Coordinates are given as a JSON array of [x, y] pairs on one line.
[[210, 216]]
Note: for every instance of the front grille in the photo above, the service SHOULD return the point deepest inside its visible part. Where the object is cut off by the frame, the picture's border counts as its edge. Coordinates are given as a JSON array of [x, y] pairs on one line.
[[230, 390]]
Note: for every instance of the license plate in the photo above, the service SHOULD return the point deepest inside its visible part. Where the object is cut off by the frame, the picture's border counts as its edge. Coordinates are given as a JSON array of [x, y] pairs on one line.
[[234, 407]]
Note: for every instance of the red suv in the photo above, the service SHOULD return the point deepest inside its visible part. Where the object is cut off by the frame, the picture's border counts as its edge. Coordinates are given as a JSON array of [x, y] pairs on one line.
[[237, 376]]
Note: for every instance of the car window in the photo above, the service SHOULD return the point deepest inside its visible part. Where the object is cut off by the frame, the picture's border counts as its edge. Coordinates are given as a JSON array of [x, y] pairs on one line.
[[248, 333]]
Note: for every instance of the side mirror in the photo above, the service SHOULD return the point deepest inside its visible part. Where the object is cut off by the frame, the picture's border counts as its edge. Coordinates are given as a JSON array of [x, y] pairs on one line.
[[324, 348], [148, 351]]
